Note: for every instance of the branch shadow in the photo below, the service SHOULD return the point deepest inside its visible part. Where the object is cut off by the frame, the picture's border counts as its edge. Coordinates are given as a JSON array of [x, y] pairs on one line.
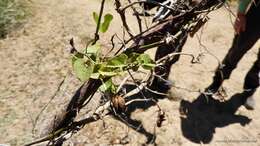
[[200, 118]]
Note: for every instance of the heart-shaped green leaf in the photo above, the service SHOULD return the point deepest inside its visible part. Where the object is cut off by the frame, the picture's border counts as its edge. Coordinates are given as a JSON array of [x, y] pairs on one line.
[[82, 69]]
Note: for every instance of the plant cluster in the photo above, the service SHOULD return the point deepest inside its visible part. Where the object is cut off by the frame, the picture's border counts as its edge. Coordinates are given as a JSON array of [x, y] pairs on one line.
[[173, 22]]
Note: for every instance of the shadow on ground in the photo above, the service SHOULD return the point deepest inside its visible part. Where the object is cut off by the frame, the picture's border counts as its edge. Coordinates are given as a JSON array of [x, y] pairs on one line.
[[200, 118]]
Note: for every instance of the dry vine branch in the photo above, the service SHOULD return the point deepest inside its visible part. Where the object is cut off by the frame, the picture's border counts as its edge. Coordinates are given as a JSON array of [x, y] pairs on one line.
[[173, 30]]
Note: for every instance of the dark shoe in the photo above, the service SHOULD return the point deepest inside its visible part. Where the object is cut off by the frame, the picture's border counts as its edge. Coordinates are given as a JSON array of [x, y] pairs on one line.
[[216, 84], [214, 87], [249, 102]]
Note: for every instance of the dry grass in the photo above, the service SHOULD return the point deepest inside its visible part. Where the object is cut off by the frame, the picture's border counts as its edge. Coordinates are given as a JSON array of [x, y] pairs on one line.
[[12, 14]]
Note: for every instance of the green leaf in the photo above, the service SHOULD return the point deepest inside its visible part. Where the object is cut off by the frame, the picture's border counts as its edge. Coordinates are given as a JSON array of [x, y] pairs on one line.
[[76, 56], [93, 49], [133, 57], [110, 70], [105, 25], [106, 86], [95, 17], [144, 58], [145, 61], [148, 66], [108, 73], [95, 75], [97, 67], [118, 61], [82, 69]]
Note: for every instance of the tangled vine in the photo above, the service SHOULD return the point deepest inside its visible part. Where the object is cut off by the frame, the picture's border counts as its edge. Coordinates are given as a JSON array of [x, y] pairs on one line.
[[173, 21]]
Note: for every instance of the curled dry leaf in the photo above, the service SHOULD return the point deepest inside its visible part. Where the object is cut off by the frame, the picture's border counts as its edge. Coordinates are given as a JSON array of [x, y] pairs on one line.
[[118, 103]]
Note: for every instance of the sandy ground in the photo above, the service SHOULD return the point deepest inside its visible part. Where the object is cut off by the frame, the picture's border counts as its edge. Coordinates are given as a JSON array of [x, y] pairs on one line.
[[35, 59]]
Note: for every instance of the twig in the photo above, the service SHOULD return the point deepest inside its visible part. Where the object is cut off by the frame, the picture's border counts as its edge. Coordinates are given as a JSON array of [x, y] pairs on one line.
[[215, 7], [137, 100], [227, 7], [46, 105], [156, 92], [158, 41], [122, 83], [169, 56], [206, 49], [139, 20], [113, 45], [150, 2], [99, 21], [138, 88], [154, 28], [136, 84], [123, 18], [103, 109]]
